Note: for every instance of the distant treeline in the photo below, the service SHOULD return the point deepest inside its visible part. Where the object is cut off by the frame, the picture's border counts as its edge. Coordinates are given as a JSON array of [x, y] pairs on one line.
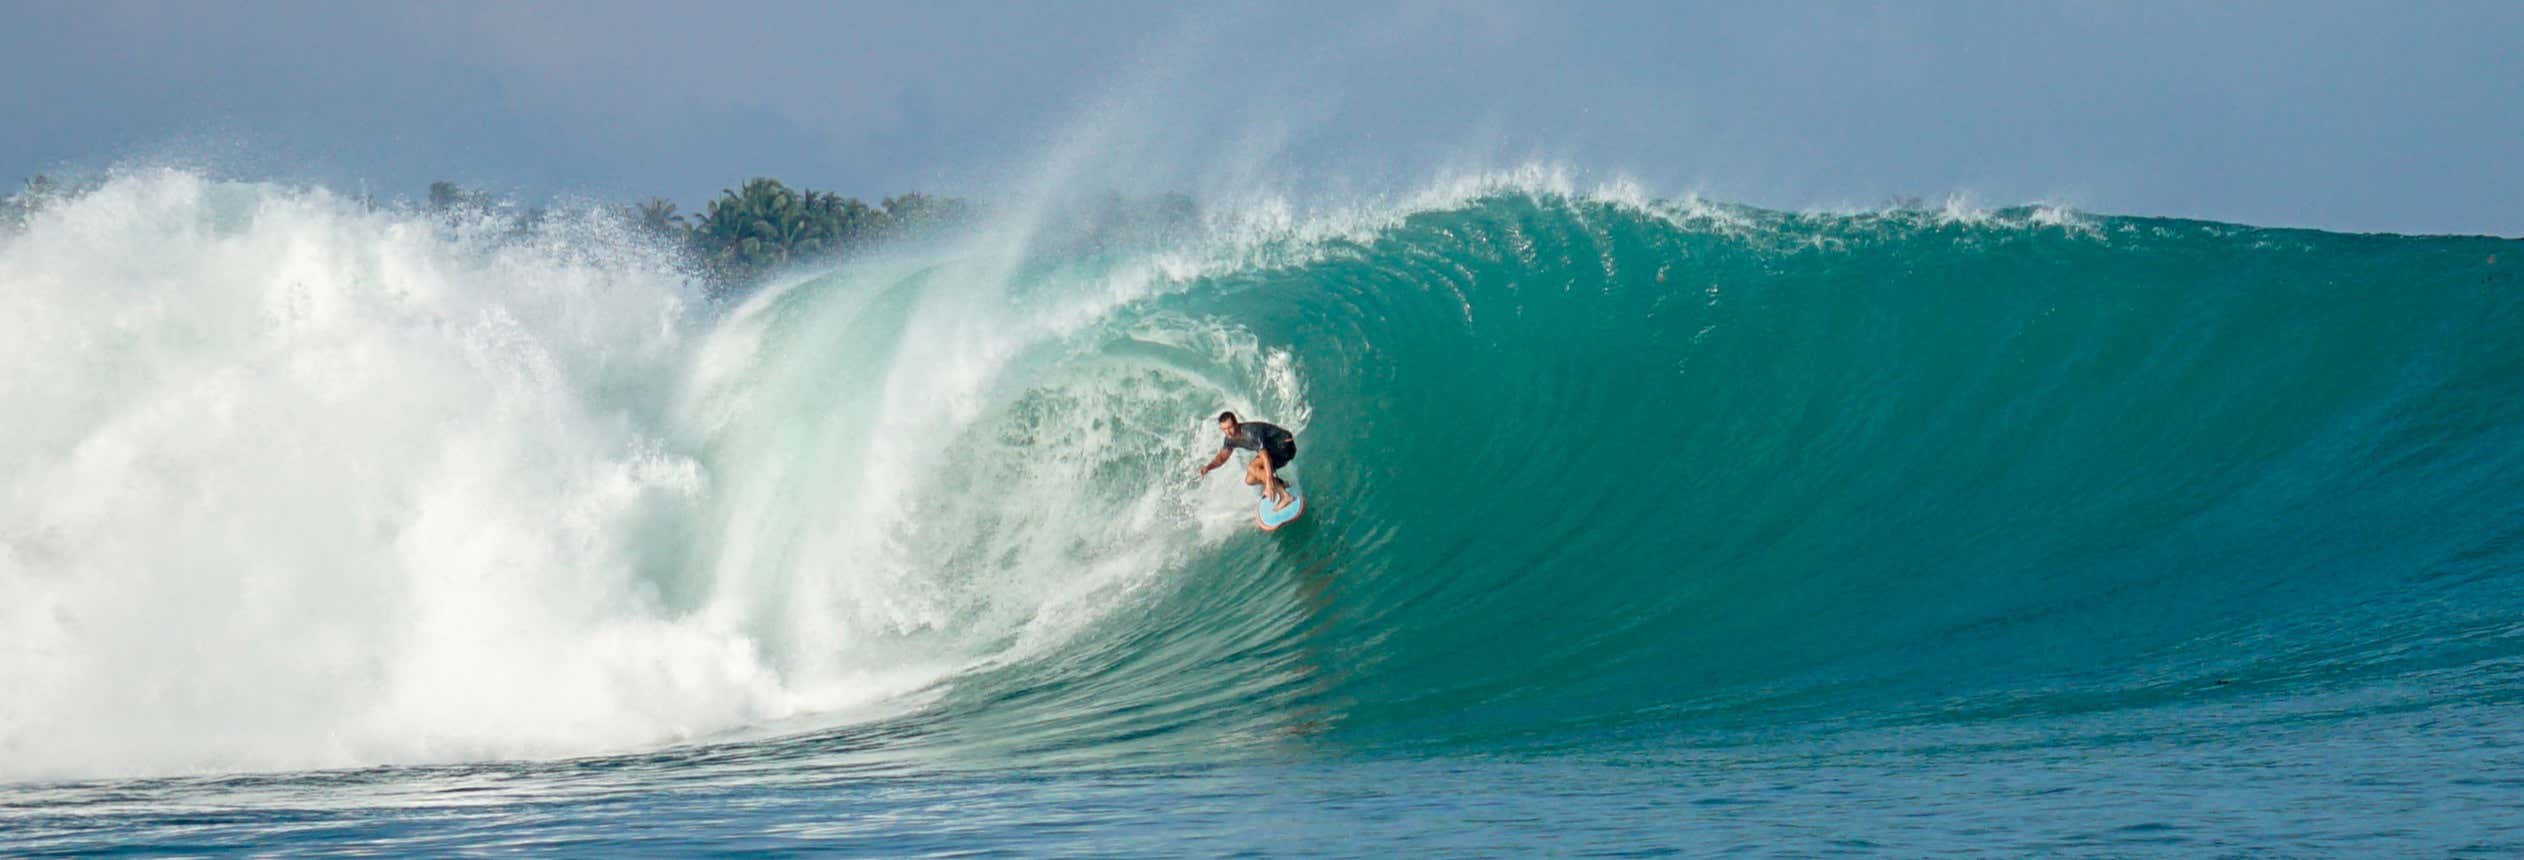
[[749, 231], [753, 230]]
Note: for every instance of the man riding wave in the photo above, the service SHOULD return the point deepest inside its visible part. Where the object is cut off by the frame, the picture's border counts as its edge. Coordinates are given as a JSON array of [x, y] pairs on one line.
[[1272, 446]]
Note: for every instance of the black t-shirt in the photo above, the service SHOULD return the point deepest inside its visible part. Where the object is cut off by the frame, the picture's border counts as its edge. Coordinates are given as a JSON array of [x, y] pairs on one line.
[[1258, 436]]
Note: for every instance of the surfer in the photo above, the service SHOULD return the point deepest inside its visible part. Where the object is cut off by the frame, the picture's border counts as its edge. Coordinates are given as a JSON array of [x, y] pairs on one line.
[[1272, 446]]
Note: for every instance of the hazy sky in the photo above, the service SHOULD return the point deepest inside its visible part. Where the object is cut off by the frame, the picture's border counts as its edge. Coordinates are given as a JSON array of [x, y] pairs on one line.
[[2374, 116]]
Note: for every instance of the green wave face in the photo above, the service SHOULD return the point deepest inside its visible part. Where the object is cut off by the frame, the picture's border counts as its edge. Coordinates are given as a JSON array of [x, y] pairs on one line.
[[294, 482], [1582, 470]]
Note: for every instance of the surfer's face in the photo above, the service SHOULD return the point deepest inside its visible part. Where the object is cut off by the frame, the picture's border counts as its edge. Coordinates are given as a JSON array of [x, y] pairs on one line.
[[1227, 427]]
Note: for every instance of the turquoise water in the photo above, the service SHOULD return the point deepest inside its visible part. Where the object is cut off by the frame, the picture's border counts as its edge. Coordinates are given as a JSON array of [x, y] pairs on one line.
[[1635, 526]]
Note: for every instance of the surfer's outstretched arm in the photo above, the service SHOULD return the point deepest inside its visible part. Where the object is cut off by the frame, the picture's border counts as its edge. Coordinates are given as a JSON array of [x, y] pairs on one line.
[[1214, 462]]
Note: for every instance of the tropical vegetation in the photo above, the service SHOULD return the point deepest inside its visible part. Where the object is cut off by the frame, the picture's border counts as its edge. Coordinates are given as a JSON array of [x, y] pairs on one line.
[[754, 229], [39, 189], [764, 225]]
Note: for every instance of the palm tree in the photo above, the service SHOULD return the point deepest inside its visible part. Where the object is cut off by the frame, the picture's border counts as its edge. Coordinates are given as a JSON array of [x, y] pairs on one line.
[[749, 230], [658, 216], [847, 224]]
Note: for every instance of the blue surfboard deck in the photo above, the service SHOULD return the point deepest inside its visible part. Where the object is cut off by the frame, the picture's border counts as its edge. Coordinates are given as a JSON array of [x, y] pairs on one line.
[[1270, 519]]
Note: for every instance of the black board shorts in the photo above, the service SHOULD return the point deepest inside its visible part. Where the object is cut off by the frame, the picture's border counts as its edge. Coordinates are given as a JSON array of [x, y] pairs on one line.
[[1280, 455]]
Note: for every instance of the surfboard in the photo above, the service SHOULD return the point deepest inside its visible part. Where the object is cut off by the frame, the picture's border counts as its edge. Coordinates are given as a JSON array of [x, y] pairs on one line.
[[1271, 520]]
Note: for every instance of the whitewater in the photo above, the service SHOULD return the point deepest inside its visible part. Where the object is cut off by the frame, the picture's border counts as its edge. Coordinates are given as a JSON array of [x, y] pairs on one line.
[[1637, 523]]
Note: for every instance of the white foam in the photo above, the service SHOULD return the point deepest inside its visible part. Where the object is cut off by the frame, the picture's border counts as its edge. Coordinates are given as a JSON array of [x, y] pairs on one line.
[[289, 483], [954, 473]]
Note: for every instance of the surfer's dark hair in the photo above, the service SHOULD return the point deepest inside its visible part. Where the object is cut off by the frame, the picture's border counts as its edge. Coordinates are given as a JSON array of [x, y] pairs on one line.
[[1229, 416]]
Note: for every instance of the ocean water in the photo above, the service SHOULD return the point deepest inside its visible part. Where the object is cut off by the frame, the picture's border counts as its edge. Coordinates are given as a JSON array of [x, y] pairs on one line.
[[1636, 526]]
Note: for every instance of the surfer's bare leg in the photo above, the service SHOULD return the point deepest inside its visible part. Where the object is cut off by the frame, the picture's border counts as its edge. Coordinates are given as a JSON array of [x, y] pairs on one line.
[[1271, 484], [1257, 473]]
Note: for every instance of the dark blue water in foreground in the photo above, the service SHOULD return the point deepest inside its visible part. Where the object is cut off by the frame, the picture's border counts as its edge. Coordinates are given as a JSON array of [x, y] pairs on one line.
[[2217, 779], [1635, 529]]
